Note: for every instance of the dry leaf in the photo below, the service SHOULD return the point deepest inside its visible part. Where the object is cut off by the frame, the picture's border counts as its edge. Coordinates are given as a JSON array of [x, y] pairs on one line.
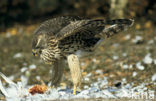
[[138, 26], [148, 24], [38, 89], [13, 31]]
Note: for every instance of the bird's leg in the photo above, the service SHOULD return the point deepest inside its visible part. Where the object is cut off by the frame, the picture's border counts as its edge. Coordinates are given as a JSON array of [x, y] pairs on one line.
[[74, 89], [75, 70], [57, 71]]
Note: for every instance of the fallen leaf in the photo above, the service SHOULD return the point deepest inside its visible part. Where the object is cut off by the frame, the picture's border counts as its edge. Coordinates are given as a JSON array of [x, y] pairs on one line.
[[148, 24], [38, 89], [138, 26]]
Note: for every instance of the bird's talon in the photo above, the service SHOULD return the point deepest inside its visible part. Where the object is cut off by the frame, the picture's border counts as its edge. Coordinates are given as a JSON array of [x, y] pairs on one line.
[[74, 90]]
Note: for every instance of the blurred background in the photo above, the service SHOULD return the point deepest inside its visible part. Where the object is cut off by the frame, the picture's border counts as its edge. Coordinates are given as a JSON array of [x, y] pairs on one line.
[[31, 11], [130, 55]]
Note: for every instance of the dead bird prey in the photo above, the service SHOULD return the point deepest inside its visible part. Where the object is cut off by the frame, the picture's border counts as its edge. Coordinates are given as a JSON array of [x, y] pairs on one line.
[[60, 38]]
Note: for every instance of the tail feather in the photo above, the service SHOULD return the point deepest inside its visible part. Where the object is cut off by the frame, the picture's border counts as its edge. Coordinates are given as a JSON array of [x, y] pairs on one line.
[[114, 27], [120, 21], [111, 22]]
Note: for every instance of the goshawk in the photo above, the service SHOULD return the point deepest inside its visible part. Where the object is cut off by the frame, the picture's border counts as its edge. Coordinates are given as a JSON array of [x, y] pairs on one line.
[[61, 38]]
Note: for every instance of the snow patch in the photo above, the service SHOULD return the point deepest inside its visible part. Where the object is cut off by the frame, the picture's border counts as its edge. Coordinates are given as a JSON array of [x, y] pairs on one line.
[[128, 36], [148, 59], [139, 66], [134, 74], [125, 66], [23, 69], [154, 60], [115, 57], [19, 92], [137, 39], [154, 78], [99, 71], [17, 55], [33, 66]]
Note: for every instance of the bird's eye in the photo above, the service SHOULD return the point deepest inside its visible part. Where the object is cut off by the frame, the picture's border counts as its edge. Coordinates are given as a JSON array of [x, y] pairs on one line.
[[37, 47]]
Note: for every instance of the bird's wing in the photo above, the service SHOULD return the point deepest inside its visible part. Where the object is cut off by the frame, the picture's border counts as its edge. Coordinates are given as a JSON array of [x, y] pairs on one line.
[[71, 29], [87, 27], [93, 25], [53, 26]]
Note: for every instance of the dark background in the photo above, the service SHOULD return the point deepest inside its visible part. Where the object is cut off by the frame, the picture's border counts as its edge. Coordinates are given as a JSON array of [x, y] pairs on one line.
[[30, 11]]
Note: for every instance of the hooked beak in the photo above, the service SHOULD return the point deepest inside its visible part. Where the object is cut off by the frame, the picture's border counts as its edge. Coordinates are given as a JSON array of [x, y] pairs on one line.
[[34, 52]]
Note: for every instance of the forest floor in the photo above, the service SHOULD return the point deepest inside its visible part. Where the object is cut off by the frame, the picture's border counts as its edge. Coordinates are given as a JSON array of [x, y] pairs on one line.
[[128, 58]]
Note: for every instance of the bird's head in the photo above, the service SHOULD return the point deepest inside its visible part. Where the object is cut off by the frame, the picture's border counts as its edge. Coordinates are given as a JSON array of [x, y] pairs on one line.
[[38, 44], [44, 47]]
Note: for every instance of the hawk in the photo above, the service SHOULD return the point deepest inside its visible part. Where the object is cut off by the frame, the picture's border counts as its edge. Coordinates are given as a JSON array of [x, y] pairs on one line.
[[60, 38]]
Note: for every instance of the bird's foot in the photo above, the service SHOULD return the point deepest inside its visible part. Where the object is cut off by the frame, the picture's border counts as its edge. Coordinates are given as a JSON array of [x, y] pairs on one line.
[[74, 90], [75, 70]]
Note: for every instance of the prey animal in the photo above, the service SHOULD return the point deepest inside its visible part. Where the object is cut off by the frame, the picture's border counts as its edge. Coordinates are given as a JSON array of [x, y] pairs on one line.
[[60, 38]]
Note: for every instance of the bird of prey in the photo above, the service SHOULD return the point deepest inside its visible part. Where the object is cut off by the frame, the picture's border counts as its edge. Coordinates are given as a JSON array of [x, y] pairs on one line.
[[60, 38]]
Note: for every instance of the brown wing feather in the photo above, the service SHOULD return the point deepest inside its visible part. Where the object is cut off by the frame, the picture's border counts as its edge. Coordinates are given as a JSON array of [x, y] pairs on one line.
[[82, 25]]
